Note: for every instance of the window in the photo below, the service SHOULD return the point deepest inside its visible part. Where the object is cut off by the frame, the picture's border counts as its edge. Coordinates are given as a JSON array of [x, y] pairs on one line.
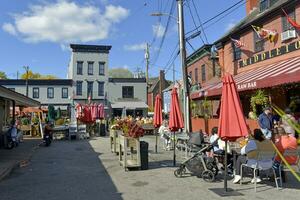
[[35, 93], [100, 88], [90, 89], [264, 4], [272, 2], [258, 43], [285, 24], [101, 68], [79, 67], [196, 75], [203, 72], [79, 88], [64, 93], [90, 68], [237, 52], [50, 92], [127, 92]]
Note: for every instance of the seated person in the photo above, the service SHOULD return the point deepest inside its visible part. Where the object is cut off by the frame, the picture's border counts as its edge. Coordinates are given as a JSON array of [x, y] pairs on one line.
[[285, 141], [214, 136], [249, 154], [165, 134]]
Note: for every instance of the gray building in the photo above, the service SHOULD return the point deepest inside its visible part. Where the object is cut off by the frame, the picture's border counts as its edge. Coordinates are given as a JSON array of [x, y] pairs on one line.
[[87, 79]]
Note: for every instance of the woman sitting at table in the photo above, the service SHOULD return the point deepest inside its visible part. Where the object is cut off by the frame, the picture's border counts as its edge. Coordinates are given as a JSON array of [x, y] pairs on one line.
[[249, 154]]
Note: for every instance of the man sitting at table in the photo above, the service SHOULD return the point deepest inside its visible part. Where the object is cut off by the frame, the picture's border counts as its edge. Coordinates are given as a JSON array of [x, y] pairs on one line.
[[249, 154], [284, 142], [165, 134]]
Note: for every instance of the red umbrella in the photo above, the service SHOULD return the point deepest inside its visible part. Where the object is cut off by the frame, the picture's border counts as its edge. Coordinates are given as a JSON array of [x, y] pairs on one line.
[[78, 111], [157, 121], [87, 114], [101, 111], [175, 121], [94, 111], [232, 123]]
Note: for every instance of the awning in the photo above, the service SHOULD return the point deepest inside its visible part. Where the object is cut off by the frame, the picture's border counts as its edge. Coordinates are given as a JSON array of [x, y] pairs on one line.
[[129, 104], [284, 72], [20, 99]]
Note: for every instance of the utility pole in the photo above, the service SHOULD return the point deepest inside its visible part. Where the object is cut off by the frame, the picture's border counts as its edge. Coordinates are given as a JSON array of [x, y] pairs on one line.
[[147, 57], [187, 124], [27, 70]]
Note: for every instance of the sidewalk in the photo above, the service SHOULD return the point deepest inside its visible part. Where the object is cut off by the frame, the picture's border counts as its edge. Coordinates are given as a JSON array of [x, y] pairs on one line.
[[18, 156], [159, 181]]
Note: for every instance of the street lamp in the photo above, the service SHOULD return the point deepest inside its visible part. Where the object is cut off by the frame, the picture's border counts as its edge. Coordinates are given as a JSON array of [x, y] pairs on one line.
[[180, 21]]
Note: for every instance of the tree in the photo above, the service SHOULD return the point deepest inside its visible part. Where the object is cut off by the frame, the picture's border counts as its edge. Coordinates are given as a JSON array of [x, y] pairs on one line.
[[120, 73], [32, 75], [3, 75]]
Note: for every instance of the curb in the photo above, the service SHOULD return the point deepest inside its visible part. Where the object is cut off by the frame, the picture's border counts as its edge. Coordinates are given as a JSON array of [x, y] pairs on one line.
[[17, 164]]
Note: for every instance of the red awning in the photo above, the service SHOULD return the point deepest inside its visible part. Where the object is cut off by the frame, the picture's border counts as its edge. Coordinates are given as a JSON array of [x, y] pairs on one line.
[[287, 71]]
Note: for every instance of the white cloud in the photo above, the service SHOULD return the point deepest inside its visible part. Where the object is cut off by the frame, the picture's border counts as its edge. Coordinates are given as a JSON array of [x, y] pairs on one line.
[[9, 28], [135, 47], [158, 30], [65, 22]]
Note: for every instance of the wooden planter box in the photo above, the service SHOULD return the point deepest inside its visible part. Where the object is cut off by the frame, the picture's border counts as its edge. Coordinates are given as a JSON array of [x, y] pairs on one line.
[[129, 152]]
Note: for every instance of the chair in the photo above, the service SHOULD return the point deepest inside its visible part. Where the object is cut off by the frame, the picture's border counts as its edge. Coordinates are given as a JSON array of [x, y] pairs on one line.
[[292, 153], [264, 162], [72, 130]]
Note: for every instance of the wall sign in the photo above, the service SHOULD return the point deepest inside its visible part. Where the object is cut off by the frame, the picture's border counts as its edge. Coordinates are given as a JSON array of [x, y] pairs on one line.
[[244, 86], [270, 54]]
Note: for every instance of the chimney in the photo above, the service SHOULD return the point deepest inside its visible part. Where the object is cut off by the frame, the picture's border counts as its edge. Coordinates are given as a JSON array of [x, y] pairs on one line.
[[250, 5]]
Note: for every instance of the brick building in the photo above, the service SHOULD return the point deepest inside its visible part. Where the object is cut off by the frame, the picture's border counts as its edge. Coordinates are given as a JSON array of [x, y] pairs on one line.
[[273, 67]]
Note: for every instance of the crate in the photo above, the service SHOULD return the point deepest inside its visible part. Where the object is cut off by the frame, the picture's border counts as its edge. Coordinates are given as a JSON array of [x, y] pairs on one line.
[[129, 152]]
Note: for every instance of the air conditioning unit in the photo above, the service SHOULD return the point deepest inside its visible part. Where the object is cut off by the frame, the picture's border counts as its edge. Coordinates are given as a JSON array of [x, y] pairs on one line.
[[286, 35]]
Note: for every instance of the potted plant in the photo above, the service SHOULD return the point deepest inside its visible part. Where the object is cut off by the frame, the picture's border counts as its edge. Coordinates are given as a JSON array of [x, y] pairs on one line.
[[258, 99]]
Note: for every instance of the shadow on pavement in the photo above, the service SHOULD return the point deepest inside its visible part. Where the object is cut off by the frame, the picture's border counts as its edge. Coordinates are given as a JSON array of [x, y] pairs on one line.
[[64, 170]]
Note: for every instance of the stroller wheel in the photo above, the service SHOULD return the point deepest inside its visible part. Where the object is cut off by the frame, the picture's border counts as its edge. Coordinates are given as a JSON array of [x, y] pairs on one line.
[[208, 176], [178, 172]]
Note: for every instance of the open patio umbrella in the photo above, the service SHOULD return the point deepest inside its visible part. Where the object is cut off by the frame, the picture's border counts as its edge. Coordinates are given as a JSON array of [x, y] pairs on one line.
[[232, 123], [175, 121], [157, 120]]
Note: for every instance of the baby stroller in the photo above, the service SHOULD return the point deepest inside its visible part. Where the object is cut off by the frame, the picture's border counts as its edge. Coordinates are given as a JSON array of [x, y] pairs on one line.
[[199, 165]]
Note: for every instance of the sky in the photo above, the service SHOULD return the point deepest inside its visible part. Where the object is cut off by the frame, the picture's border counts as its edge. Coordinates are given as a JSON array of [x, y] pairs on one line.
[[37, 33]]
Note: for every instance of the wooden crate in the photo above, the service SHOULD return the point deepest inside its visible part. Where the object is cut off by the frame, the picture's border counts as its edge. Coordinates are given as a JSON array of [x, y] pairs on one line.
[[129, 152]]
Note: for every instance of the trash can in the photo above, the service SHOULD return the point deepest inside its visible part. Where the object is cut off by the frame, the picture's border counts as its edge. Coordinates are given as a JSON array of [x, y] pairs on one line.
[[102, 130], [144, 155]]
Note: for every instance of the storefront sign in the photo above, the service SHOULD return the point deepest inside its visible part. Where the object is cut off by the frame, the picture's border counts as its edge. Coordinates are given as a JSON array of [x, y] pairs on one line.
[[270, 54], [244, 86]]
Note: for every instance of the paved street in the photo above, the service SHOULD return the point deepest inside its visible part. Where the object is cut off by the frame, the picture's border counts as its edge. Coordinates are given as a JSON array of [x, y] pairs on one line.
[[88, 170]]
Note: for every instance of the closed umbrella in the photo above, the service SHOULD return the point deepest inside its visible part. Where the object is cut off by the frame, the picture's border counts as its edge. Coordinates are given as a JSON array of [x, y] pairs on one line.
[[51, 113], [232, 123], [101, 113], [94, 111], [58, 113], [79, 111], [157, 121], [124, 113], [175, 121]]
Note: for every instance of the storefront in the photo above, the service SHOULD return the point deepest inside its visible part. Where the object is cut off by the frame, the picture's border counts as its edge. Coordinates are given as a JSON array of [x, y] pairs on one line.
[[129, 108]]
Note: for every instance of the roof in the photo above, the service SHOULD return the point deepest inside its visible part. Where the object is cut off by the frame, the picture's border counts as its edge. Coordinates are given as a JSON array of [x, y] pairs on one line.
[[90, 48], [20, 99], [254, 18], [127, 80], [129, 104], [61, 82], [199, 53], [283, 72]]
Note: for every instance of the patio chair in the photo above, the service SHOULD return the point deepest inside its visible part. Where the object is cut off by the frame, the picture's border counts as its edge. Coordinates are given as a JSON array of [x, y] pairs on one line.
[[293, 153], [264, 162]]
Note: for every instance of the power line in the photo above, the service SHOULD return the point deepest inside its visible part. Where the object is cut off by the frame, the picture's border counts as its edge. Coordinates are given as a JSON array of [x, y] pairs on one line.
[[164, 34], [200, 21], [219, 14]]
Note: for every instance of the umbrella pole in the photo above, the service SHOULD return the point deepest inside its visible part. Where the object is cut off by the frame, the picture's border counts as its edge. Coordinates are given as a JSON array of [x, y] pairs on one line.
[[225, 163], [174, 153], [156, 141]]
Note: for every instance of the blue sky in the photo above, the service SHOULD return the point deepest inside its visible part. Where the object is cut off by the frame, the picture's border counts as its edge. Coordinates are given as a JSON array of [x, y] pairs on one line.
[[37, 32]]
